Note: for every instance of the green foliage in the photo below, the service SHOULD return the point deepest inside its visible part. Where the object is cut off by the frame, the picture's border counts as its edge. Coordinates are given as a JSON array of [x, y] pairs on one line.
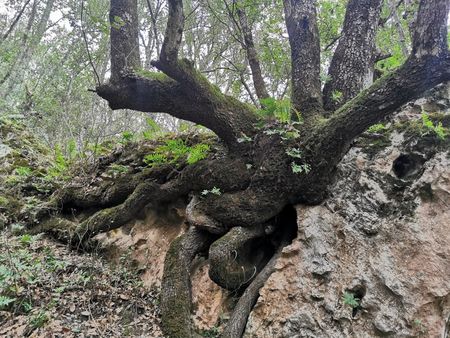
[[26, 239], [118, 168], [39, 319], [279, 109], [377, 128], [336, 96], [173, 151], [430, 128], [349, 299], [294, 152], [59, 166], [3, 201], [127, 137], [300, 168], [213, 332], [118, 22], [244, 138], [152, 129], [23, 171], [215, 191], [19, 268], [286, 131], [198, 152], [6, 301]]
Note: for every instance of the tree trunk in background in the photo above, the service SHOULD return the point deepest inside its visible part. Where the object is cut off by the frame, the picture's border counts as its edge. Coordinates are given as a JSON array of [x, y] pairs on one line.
[[125, 54], [301, 22], [15, 21], [351, 68], [252, 55]]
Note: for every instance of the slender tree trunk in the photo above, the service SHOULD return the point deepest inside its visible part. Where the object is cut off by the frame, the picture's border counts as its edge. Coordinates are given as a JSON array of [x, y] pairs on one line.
[[252, 55], [14, 23]]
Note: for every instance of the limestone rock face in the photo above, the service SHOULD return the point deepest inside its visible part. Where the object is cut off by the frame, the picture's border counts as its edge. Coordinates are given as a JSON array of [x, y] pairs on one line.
[[382, 238]]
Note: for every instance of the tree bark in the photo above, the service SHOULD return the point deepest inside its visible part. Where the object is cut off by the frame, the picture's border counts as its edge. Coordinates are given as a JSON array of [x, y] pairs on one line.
[[351, 68], [125, 55], [301, 22], [252, 54]]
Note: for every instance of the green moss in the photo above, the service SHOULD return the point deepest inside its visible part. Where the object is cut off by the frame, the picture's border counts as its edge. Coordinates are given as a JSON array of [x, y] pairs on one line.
[[152, 75], [3, 201]]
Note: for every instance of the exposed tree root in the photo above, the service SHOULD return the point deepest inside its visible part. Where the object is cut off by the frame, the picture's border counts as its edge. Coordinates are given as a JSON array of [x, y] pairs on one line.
[[176, 285], [237, 257], [238, 320]]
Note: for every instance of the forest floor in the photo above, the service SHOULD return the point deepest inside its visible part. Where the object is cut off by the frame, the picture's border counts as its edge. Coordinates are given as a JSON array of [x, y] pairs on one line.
[[48, 290]]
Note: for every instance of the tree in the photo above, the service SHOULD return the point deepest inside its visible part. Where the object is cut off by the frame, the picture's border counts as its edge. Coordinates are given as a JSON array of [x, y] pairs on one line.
[[266, 168]]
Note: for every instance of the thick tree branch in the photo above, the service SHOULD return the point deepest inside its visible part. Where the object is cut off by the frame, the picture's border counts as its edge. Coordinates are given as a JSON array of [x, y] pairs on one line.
[[301, 22], [187, 95], [351, 68], [380, 100]]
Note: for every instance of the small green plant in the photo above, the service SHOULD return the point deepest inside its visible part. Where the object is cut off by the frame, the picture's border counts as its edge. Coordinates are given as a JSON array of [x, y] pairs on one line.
[[198, 152], [419, 326], [59, 167], [294, 152], [429, 126], [6, 301], [215, 191], [26, 239], [23, 171], [3, 201], [118, 22], [336, 96], [377, 128], [244, 138], [300, 168], [213, 332], [126, 137], [152, 129], [118, 168], [39, 319], [349, 299]]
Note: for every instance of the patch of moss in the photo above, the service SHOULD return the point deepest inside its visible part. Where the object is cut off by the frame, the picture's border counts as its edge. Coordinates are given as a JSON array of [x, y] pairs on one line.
[[151, 75]]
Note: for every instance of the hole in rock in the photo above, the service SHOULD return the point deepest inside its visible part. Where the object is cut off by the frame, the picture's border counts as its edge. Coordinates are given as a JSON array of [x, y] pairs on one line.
[[359, 292], [285, 224], [407, 165]]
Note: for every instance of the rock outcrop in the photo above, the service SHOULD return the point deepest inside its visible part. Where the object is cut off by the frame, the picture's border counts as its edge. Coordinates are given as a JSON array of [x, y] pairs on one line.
[[374, 259]]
